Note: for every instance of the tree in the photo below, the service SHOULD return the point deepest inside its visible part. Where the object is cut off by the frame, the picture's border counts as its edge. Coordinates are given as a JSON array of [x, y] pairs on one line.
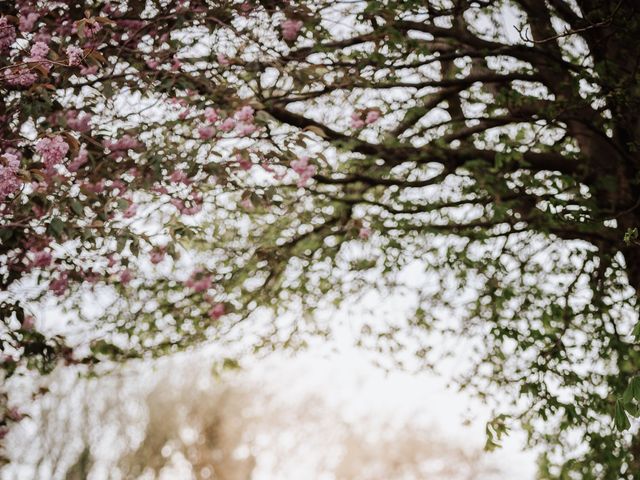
[[303, 151]]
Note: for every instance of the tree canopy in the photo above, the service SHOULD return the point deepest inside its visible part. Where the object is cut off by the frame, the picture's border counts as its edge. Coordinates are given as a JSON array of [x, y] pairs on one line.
[[171, 168]]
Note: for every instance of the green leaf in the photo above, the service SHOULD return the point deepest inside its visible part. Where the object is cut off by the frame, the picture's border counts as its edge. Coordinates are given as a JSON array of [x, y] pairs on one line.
[[621, 420], [632, 409], [636, 331], [495, 430], [5, 234], [121, 243], [122, 203], [102, 347], [635, 387], [631, 236], [230, 364], [56, 226], [627, 396], [77, 207]]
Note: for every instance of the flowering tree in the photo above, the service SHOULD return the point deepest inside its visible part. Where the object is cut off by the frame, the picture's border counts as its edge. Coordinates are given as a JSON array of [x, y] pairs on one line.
[[299, 151]]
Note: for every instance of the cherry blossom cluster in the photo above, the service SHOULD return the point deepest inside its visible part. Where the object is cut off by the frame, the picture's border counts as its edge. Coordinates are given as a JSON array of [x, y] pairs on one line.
[[53, 151], [361, 119], [201, 282], [77, 174], [242, 123], [304, 169], [290, 29], [74, 54], [7, 34], [9, 180]]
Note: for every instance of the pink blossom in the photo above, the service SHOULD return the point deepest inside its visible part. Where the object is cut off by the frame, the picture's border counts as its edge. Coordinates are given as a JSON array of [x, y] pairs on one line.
[[27, 22], [75, 55], [125, 142], [90, 276], [42, 259], [276, 175], [302, 167], [39, 51], [89, 70], [196, 205], [5, 359], [245, 114], [246, 129], [39, 187], [79, 121], [211, 115], [246, 7], [7, 34], [228, 125], [153, 63], [59, 285], [20, 77], [290, 29], [182, 207], [243, 162], [9, 181], [192, 210], [28, 323], [14, 414], [42, 36], [79, 161], [246, 203], [206, 132], [53, 151], [178, 101], [157, 255], [176, 64], [130, 211], [356, 121], [37, 243], [372, 116], [91, 27], [223, 60], [199, 282], [120, 186], [216, 311], [97, 187], [38, 211], [126, 276], [364, 233], [178, 176]]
